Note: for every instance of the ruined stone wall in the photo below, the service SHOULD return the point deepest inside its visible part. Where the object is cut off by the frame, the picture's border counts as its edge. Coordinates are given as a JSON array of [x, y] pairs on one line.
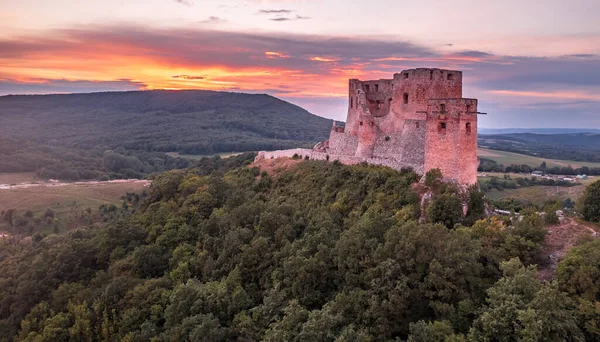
[[389, 146], [342, 144], [419, 85], [449, 146], [367, 136], [413, 143], [468, 162]]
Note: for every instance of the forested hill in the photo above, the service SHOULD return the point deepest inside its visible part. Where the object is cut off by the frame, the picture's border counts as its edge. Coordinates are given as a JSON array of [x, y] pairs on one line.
[[569, 146], [193, 122]]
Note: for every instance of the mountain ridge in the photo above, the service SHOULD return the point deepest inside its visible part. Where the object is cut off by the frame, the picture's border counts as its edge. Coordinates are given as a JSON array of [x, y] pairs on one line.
[[190, 121]]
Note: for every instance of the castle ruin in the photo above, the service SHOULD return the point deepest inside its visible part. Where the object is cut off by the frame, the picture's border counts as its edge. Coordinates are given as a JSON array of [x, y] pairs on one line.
[[418, 119]]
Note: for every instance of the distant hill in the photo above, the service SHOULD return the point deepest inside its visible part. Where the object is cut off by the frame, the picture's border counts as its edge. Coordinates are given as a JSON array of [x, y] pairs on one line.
[[192, 122], [486, 131], [571, 146]]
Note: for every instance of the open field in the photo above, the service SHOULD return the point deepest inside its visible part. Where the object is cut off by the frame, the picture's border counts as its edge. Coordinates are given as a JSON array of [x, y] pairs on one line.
[[61, 199], [508, 158], [538, 194], [64, 200]]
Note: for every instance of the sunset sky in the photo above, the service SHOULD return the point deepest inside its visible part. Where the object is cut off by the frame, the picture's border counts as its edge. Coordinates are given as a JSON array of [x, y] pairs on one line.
[[531, 63]]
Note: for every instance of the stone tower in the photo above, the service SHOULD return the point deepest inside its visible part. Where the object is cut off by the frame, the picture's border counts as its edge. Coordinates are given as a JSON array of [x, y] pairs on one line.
[[418, 119]]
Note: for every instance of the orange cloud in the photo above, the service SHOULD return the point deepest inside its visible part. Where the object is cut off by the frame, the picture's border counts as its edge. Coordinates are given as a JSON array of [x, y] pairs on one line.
[[272, 54], [323, 59]]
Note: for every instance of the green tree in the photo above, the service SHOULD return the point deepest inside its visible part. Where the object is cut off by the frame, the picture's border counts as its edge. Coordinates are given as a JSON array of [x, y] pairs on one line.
[[506, 299], [438, 331], [150, 261], [476, 206], [445, 209], [589, 205], [432, 177]]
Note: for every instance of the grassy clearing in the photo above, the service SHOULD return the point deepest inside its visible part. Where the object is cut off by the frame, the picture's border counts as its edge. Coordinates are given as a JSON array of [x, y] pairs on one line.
[[64, 200], [508, 158], [538, 194]]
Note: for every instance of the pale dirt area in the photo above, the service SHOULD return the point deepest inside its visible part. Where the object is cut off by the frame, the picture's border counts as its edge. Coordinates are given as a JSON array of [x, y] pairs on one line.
[[276, 165], [52, 184], [560, 239]]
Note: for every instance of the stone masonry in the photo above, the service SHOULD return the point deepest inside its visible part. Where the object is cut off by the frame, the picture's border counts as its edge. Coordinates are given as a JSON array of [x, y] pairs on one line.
[[418, 119]]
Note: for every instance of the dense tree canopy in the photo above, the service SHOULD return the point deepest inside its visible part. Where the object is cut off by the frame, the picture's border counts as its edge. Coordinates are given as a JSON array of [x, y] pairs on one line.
[[321, 252]]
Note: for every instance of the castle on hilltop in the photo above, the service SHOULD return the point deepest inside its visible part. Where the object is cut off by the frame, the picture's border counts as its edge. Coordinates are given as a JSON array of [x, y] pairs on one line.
[[418, 119]]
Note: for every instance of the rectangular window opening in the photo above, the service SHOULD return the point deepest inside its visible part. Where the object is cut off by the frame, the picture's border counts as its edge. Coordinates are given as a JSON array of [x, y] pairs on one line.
[[377, 87], [442, 108], [366, 88], [405, 97], [450, 77], [405, 75]]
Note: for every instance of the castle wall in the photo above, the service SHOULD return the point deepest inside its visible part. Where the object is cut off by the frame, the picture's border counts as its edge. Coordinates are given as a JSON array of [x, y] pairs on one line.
[[367, 136], [342, 144], [413, 143], [468, 161], [388, 146], [449, 145], [421, 85]]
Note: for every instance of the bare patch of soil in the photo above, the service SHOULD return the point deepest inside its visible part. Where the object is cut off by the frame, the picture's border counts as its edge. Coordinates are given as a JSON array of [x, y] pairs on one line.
[[276, 165], [559, 240]]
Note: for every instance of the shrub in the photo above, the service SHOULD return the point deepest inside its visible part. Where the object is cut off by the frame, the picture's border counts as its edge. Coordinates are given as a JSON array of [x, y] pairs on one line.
[[432, 177], [445, 209]]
